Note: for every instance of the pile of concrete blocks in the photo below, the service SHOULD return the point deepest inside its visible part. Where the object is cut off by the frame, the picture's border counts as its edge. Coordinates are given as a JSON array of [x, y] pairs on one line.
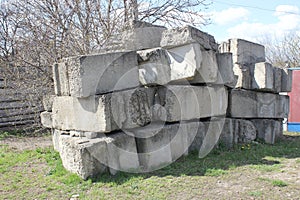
[[158, 98]]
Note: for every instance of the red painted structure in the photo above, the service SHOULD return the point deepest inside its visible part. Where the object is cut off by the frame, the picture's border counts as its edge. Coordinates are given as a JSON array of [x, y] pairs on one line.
[[294, 115]]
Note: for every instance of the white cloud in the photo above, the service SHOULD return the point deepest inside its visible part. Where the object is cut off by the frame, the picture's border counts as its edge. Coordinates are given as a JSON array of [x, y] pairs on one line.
[[287, 22], [229, 15]]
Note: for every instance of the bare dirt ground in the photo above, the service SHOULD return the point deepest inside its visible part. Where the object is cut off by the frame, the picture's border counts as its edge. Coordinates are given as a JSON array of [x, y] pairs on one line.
[[27, 143]]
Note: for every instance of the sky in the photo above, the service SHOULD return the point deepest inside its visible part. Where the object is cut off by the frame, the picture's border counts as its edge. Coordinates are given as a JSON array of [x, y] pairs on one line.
[[253, 20]]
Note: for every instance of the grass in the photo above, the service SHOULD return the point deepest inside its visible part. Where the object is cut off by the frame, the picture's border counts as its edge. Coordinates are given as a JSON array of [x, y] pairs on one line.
[[39, 174]]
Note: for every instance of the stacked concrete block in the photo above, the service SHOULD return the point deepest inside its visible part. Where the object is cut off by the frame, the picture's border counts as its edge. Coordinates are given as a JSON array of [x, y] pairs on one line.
[[143, 107]]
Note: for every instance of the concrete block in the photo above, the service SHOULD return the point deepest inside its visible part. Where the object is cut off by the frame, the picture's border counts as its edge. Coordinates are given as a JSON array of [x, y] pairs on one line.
[[48, 102], [277, 73], [187, 102], [243, 52], [186, 35], [160, 144], [208, 70], [264, 77], [286, 80], [104, 113], [46, 119], [268, 129], [122, 153], [81, 156], [159, 66], [237, 131], [225, 70], [250, 104], [83, 76]]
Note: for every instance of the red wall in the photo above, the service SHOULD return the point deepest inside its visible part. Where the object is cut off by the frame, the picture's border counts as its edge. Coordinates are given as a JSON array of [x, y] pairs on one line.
[[294, 115]]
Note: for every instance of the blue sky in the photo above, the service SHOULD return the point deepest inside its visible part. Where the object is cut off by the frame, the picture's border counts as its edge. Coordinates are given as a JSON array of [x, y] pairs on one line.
[[252, 19]]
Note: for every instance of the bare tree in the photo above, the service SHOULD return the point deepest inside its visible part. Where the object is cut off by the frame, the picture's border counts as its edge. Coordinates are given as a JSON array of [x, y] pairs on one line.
[[283, 52]]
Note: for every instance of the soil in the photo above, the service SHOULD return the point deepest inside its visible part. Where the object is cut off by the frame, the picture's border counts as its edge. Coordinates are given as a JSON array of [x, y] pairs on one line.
[[27, 143]]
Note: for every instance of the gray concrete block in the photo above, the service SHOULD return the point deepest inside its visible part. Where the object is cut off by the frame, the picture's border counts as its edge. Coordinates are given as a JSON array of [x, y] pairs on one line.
[[187, 102], [122, 153], [104, 113], [186, 35], [286, 80], [237, 131], [250, 104], [160, 144], [46, 119], [268, 129], [81, 156], [243, 52], [83, 76], [264, 77], [225, 70], [277, 74]]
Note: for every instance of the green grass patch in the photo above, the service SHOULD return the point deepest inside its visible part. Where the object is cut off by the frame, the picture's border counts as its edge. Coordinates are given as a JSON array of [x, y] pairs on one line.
[[279, 183], [255, 193]]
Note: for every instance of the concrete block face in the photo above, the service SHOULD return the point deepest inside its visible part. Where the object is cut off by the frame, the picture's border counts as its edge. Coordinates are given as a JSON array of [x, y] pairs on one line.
[[208, 70], [46, 119], [185, 102], [77, 157], [142, 38], [103, 113], [268, 129], [225, 70], [264, 77], [122, 153], [286, 80], [60, 77], [244, 52], [97, 74], [277, 74], [250, 104], [160, 144], [186, 35]]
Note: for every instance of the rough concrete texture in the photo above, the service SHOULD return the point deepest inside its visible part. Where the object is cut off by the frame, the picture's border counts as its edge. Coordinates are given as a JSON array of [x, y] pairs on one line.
[[268, 130], [250, 104], [103, 113], [286, 80], [159, 144], [225, 70], [186, 62], [186, 35], [264, 77], [244, 55], [77, 155], [91, 157], [83, 76], [187, 102], [46, 119]]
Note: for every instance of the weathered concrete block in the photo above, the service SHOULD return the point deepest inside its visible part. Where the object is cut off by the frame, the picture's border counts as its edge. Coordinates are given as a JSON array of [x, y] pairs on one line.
[[264, 77], [186, 35], [104, 113], [187, 102], [268, 129], [277, 76], [250, 104], [48, 102], [286, 80], [46, 119], [244, 54], [81, 156], [225, 70], [83, 76], [122, 153], [159, 144]]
